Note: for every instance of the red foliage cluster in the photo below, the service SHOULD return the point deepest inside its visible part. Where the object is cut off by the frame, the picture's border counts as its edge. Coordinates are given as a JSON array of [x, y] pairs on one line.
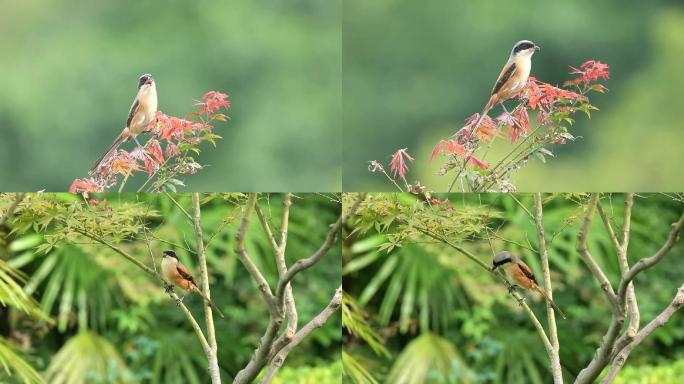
[[171, 132], [213, 101], [589, 71]]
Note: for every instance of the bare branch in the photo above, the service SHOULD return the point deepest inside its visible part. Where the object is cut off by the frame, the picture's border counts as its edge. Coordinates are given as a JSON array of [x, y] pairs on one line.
[[208, 318], [648, 262], [265, 349], [10, 211], [588, 258], [609, 349], [621, 247], [556, 368], [244, 256], [315, 323], [658, 321], [306, 263]]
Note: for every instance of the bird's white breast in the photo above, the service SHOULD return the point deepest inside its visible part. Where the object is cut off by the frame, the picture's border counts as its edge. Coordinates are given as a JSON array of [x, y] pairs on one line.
[[168, 266], [523, 65]]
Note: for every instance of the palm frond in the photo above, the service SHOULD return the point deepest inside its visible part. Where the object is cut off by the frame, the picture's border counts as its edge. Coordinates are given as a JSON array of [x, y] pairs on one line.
[[87, 358], [14, 368]]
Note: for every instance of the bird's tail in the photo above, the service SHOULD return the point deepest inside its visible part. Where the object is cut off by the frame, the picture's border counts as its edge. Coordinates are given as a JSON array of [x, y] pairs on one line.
[[540, 290], [204, 296], [105, 156], [485, 110]]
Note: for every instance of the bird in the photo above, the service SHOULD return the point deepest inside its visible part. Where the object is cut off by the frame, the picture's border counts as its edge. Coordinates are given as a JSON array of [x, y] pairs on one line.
[[512, 79], [521, 274], [140, 116], [175, 273]]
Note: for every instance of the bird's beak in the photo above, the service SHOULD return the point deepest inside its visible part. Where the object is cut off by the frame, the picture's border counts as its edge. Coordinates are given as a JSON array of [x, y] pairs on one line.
[[537, 48], [148, 82]]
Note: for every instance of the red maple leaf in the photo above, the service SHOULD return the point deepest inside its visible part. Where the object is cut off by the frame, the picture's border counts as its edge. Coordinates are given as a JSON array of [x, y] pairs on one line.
[[478, 163], [449, 146], [154, 149], [398, 163], [590, 70]]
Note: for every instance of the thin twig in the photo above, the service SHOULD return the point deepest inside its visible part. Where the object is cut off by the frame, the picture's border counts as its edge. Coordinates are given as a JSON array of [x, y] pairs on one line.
[[244, 256], [650, 261], [187, 215], [589, 259]]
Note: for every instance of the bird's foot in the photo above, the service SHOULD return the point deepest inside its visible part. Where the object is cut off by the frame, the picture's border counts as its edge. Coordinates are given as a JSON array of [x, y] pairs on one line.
[[168, 287], [512, 288], [521, 301]]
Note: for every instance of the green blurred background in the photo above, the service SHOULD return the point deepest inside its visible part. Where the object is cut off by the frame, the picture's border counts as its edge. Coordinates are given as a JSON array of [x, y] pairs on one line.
[[69, 73], [414, 71]]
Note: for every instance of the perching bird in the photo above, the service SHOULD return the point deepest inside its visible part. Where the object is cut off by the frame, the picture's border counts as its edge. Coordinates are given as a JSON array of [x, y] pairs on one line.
[[521, 275], [512, 79], [175, 273], [140, 116]]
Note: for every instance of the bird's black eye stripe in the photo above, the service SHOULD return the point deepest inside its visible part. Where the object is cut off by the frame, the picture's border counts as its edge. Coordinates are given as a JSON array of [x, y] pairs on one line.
[[501, 262], [142, 80], [522, 47]]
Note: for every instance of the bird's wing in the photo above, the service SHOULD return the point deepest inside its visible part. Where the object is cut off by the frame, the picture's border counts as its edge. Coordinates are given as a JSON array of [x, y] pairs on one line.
[[185, 273], [527, 272], [504, 76], [134, 109]]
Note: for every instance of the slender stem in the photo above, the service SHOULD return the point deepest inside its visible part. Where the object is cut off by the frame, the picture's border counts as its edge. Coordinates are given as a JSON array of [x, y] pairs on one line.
[[556, 368], [208, 318], [187, 215]]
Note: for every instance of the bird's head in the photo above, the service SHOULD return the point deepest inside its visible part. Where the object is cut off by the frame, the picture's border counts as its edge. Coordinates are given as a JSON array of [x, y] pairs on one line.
[[145, 79], [171, 254], [502, 258], [524, 47]]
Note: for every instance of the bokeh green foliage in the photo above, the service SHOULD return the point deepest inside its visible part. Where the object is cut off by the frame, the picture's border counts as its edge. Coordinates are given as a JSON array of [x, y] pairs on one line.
[[450, 306], [112, 314], [69, 71], [414, 71]]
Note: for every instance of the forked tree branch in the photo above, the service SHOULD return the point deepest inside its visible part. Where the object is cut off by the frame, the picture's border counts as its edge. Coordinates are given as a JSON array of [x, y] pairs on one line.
[[583, 250], [244, 257], [658, 321], [270, 351], [612, 350], [316, 322], [279, 247]]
